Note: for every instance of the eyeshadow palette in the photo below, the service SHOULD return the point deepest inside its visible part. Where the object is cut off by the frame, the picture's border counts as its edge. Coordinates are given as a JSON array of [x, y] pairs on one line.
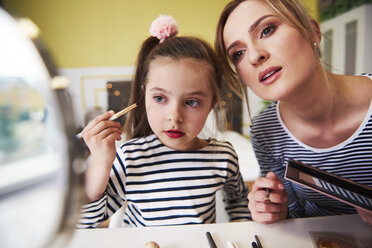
[[347, 191]]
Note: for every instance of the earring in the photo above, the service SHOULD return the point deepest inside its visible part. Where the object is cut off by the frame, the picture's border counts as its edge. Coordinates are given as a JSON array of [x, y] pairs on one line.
[[316, 49]]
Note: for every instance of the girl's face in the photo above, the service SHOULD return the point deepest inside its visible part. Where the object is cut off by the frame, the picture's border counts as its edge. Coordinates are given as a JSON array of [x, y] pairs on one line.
[[178, 101], [270, 56]]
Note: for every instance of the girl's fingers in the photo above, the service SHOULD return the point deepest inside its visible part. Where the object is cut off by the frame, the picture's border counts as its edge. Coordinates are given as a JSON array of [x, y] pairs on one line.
[[100, 127], [98, 119], [103, 129]]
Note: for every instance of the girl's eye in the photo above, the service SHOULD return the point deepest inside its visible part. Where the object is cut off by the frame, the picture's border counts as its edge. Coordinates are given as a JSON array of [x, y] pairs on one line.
[[267, 30], [192, 103], [159, 99], [236, 56]]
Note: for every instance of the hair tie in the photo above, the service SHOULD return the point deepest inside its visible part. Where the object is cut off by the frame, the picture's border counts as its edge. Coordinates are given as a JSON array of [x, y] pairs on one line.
[[163, 27]]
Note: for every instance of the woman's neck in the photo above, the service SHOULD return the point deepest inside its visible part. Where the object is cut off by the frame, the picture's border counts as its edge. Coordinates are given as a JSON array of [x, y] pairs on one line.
[[318, 101], [329, 111]]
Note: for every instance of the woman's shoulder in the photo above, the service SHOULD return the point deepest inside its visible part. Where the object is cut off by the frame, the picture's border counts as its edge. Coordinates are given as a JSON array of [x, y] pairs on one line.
[[268, 115], [369, 75], [360, 86], [361, 78]]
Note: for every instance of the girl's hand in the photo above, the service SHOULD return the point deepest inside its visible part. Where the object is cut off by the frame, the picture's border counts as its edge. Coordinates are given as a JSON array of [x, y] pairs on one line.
[[365, 216], [274, 210], [100, 136]]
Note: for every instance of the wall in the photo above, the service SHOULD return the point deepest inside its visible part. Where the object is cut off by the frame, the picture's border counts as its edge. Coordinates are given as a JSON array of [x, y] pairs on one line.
[[96, 33], [91, 33]]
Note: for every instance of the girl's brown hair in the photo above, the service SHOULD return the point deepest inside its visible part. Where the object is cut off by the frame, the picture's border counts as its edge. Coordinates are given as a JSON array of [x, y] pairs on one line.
[[175, 48], [291, 11]]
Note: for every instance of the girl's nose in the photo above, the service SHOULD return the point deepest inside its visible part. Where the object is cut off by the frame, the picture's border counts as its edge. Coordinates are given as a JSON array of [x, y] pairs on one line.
[[175, 116]]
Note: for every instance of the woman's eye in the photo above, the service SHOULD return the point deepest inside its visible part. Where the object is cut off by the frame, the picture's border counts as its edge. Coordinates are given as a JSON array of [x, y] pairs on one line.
[[159, 99], [267, 30], [236, 55], [192, 103]]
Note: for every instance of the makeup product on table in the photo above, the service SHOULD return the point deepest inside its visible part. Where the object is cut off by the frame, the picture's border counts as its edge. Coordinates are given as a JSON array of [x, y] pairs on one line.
[[332, 239], [258, 241], [254, 245], [231, 244], [115, 116], [211, 242], [151, 244]]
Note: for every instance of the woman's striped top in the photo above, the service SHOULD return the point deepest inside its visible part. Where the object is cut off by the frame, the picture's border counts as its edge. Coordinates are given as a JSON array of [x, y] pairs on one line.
[[162, 186], [274, 145]]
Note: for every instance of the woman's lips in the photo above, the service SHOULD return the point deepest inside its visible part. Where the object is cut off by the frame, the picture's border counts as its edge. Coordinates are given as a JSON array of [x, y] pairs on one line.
[[174, 133], [269, 75]]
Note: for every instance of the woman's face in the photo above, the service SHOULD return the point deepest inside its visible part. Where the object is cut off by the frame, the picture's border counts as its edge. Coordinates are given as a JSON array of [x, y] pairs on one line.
[[271, 57]]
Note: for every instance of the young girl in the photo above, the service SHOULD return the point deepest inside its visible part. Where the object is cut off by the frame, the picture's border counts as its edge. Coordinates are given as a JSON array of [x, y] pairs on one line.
[[164, 173], [317, 117]]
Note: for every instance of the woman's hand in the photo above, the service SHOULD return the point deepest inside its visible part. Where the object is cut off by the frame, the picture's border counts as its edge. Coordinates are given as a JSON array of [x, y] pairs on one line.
[[274, 210], [365, 216], [100, 136]]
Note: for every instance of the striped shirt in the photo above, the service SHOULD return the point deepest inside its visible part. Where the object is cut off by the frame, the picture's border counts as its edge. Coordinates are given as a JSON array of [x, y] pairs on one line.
[[162, 186], [274, 145]]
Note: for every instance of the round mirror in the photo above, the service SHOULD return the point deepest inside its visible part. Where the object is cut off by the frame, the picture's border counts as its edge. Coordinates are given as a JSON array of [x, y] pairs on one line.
[[39, 175]]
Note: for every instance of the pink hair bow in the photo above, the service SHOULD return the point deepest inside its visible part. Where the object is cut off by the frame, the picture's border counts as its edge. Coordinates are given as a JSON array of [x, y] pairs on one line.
[[163, 27]]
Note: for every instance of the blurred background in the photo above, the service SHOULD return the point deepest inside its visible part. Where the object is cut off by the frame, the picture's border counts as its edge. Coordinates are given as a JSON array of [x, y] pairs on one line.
[[95, 43]]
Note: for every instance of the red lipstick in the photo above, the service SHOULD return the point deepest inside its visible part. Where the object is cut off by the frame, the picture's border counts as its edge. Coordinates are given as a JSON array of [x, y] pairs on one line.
[[174, 133]]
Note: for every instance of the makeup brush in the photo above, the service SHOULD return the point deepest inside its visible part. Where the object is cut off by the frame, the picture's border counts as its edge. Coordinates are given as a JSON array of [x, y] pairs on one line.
[[115, 116]]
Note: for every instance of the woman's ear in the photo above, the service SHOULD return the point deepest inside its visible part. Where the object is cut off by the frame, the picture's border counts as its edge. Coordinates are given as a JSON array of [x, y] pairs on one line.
[[317, 33]]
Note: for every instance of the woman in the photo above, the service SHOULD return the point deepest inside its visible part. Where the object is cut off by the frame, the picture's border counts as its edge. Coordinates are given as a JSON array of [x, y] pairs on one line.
[[317, 117]]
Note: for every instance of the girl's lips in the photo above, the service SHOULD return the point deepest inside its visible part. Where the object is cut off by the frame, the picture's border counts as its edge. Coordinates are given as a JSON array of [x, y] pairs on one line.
[[174, 133], [269, 75]]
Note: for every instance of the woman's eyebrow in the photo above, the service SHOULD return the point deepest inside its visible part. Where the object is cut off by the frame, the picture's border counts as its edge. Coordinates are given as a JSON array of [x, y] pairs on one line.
[[257, 22], [251, 28]]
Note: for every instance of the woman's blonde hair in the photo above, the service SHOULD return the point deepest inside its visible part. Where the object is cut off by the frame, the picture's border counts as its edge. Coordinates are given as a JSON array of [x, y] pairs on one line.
[[291, 11]]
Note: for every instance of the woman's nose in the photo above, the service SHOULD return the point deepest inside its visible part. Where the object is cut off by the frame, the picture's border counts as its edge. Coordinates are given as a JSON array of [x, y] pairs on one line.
[[257, 55]]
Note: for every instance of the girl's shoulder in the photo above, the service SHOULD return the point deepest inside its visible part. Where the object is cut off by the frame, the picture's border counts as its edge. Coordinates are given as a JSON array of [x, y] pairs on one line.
[[218, 142], [147, 141], [220, 145]]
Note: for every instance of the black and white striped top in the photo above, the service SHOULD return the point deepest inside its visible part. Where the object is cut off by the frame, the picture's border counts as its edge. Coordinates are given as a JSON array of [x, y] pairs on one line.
[[274, 145], [162, 186]]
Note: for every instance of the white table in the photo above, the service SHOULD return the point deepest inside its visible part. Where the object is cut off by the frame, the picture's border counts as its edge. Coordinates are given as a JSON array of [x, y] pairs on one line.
[[287, 233]]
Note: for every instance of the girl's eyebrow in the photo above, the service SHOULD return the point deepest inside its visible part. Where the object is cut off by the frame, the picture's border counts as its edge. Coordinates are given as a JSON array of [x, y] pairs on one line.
[[250, 30], [198, 92], [157, 89]]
